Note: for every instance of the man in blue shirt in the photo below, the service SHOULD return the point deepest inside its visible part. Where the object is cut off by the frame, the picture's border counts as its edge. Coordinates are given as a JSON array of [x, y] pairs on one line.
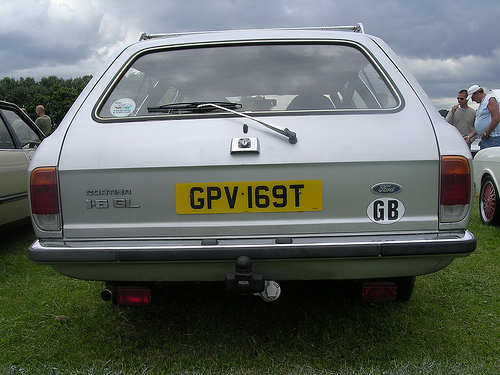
[[487, 118]]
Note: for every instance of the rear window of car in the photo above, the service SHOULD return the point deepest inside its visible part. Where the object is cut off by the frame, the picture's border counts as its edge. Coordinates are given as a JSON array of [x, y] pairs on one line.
[[24, 133], [272, 77]]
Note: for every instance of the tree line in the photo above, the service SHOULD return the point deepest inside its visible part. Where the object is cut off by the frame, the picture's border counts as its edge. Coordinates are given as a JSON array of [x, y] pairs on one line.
[[55, 94]]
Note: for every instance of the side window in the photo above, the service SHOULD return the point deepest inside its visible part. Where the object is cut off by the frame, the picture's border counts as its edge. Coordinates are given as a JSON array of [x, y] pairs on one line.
[[136, 90], [5, 138], [357, 100], [27, 136], [377, 87]]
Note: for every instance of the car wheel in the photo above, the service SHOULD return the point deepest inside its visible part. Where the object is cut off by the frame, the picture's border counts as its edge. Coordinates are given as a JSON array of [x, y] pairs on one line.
[[405, 287], [488, 202]]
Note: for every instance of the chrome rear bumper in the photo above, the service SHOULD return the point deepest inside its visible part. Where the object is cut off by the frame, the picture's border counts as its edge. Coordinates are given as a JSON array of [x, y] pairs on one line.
[[304, 258], [261, 248]]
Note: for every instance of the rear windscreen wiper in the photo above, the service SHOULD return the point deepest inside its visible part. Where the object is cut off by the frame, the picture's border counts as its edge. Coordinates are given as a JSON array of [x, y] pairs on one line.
[[292, 136], [200, 107], [193, 107]]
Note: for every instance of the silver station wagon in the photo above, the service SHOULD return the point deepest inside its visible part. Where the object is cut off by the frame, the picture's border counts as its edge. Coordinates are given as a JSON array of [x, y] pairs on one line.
[[251, 158]]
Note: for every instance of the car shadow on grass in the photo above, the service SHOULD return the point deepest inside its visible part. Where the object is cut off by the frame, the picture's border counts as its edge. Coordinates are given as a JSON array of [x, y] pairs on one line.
[[313, 314]]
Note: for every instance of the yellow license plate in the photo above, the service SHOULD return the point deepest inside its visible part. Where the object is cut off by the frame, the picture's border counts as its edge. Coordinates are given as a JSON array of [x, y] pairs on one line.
[[254, 196]]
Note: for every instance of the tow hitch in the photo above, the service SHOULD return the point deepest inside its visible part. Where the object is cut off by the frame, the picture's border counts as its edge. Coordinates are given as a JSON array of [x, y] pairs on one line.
[[243, 280]]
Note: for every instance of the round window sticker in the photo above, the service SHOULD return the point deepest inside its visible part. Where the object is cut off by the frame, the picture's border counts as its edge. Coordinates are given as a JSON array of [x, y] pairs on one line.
[[122, 107]]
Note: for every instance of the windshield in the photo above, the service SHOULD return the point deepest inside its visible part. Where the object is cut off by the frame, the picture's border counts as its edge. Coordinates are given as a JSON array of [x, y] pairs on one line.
[[259, 78]]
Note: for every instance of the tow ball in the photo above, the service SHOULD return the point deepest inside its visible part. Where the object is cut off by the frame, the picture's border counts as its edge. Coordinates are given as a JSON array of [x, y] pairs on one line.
[[243, 280]]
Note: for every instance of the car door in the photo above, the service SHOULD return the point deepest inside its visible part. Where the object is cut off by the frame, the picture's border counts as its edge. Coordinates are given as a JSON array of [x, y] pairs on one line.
[[18, 142]]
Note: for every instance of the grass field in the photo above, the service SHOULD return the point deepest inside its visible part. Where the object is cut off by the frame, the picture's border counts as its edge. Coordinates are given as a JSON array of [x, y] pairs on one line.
[[51, 324]]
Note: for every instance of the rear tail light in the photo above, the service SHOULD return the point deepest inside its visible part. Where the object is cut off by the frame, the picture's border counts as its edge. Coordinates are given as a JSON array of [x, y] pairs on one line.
[[45, 198], [379, 292], [455, 192], [133, 296]]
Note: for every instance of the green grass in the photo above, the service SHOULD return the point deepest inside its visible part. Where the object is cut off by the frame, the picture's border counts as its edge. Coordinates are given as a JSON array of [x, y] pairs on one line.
[[52, 324]]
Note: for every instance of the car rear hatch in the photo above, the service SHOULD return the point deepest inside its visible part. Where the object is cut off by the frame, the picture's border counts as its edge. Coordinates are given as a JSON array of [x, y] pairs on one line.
[[369, 164], [166, 179]]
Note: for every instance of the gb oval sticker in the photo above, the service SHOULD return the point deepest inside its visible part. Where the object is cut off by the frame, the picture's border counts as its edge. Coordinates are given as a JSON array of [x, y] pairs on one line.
[[385, 210]]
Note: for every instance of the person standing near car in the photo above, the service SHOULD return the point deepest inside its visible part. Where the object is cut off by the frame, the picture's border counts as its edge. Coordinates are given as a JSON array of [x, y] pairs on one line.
[[43, 121], [462, 116], [487, 118]]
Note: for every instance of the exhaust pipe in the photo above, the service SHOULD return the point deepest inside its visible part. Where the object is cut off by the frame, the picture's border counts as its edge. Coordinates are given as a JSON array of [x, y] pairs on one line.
[[107, 294]]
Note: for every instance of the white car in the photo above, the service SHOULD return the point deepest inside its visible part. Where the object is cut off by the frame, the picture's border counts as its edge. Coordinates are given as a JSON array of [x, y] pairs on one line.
[[475, 147], [19, 138], [252, 157], [486, 175]]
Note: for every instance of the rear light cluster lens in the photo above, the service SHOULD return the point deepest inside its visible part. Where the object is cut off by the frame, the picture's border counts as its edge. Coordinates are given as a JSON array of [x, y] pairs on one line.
[[455, 181], [45, 198], [455, 188]]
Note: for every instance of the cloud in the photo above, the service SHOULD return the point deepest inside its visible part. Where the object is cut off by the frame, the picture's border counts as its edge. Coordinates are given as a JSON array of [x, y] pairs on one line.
[[68, 37], [446, 44], [443, 78]]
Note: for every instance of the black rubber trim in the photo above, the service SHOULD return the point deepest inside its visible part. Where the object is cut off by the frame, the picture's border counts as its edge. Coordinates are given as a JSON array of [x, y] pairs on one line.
[[430, 248], [13, 197], [271, 252]]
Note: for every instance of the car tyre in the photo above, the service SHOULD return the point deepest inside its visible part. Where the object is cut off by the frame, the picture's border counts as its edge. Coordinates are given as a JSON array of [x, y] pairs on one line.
[[405, 287], [488, 202]]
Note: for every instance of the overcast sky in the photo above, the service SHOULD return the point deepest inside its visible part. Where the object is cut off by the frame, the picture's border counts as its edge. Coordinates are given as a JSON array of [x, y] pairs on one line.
[[448, 45]]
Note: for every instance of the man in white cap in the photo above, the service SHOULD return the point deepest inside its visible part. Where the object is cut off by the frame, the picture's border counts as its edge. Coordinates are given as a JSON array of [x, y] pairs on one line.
[[487, 118]]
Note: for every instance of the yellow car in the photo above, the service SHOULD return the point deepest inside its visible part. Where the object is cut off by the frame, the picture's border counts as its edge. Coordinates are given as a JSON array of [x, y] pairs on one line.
[[19, 138]]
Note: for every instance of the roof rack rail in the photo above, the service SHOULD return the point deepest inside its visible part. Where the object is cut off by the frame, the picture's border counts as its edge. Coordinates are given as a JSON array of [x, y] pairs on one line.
[[359, 28], [146, 36]]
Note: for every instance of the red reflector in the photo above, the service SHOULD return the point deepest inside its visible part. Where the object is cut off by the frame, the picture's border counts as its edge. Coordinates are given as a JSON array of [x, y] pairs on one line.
[[379, 292], [133, 296], [455, 181], [44, 195]]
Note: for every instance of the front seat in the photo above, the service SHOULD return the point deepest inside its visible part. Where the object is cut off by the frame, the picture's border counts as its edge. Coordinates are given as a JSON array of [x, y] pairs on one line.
[[310, 101]]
